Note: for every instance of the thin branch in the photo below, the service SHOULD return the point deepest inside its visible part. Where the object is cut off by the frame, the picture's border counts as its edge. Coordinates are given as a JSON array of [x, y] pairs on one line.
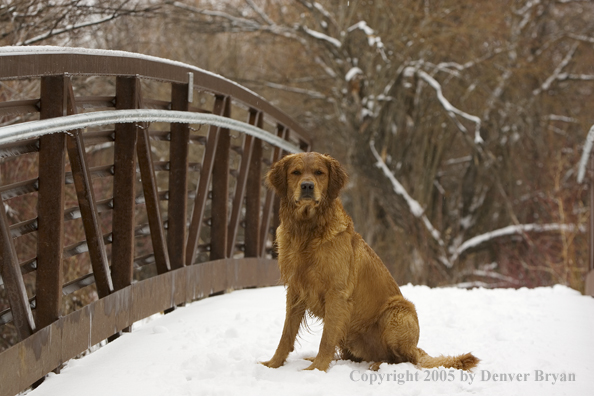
[[260, 12], [119, 12], [71, 28], [317, 7], [496, 94], [557, 72], [238, 21], [242, 24], [413, 206], [452, 109]]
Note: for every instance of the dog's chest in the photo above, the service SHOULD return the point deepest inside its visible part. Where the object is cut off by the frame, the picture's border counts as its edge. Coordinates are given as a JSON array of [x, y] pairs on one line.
[[306, 270], [301, 263]]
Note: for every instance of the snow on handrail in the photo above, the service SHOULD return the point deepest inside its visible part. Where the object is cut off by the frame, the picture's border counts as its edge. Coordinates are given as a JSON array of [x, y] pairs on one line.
[[34, 129]]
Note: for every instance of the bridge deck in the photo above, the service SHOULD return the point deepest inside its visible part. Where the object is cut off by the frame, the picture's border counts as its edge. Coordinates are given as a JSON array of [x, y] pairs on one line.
[[212, 346]]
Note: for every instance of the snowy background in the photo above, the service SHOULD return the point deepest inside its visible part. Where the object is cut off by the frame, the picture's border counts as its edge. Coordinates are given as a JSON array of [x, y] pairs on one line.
[[212, 346]]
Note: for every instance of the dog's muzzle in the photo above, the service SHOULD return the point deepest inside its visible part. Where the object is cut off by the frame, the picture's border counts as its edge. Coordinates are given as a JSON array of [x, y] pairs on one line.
[[307, 190]]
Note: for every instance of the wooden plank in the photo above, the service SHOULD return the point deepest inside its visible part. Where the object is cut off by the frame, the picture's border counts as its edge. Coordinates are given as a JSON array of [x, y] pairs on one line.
[[203, 184], [281, 132], [19, 147], [255, 117], [220, 194], [124, 182], [17, 107], [50, 207], [87, 203], [178, 179], [13, 281]]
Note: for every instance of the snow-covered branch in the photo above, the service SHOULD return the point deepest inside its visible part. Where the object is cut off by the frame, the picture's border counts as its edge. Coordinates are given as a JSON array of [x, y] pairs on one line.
[[450, 108], [413, 206], [308, 92], [585, 155], [583, 38], [496, 94], [556, 117], [486, 272], [322, 36], [579, 77], [511, 230], [446, 66], [372, 37]]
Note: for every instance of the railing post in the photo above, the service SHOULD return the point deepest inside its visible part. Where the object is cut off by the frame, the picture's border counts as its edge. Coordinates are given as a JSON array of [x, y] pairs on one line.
[[204, 183], [252, 200], [86, 202], [50, 207], [255, 118], [281, 132], [124, 181], [220, 193], [178, 178]]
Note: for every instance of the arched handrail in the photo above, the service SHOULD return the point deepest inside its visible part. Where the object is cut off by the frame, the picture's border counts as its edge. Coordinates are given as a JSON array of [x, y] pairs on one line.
[[202, 202], [35, 129], [38, 61]]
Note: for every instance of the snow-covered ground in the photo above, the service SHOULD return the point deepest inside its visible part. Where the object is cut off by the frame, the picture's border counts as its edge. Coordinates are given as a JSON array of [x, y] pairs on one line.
[[540, 341]]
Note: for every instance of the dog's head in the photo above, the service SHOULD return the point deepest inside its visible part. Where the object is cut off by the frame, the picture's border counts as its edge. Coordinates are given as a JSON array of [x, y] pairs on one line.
[[307, 179]]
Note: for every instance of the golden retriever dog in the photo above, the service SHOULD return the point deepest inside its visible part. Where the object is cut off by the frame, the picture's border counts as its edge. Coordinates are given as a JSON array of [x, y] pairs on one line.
[[330, 271]]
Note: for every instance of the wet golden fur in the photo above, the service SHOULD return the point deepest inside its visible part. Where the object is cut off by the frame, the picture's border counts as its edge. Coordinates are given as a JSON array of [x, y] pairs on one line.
[[330, 271]]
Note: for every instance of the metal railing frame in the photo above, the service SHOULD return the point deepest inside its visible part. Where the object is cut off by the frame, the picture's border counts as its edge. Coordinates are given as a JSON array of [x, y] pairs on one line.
[[49, 338]]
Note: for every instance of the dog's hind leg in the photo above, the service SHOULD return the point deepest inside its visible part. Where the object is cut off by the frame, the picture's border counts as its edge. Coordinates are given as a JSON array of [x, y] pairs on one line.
[[400, 330], [346, 354]]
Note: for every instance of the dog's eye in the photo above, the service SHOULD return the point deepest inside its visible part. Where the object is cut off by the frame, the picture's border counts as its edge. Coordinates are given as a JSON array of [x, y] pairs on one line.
[[296, 172], [319, 172]]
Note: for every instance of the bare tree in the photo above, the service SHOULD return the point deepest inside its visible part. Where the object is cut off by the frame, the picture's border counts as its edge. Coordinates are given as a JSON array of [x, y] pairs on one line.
[[32, 22], [461, 122]]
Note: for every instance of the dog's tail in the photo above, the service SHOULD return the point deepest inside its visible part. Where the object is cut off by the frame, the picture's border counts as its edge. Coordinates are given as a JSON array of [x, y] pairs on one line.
[[466, 361]]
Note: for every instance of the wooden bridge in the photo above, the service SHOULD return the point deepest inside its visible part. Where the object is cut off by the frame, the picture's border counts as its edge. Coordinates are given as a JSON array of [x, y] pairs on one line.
[[131, 185]]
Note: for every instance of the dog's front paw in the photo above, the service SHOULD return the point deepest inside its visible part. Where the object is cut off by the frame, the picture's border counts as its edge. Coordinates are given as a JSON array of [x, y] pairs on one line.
[[322, 366], [273, 363]]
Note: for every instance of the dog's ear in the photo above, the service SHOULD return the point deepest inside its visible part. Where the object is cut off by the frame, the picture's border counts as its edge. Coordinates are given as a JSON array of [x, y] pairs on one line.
[[337, 178], [276, 178]]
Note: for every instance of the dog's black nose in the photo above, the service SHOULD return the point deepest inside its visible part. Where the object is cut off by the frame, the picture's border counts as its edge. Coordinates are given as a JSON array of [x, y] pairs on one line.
[[307, 187]]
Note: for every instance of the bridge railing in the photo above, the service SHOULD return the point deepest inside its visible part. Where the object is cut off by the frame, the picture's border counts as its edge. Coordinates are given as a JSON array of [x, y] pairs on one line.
[[131, 185]]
